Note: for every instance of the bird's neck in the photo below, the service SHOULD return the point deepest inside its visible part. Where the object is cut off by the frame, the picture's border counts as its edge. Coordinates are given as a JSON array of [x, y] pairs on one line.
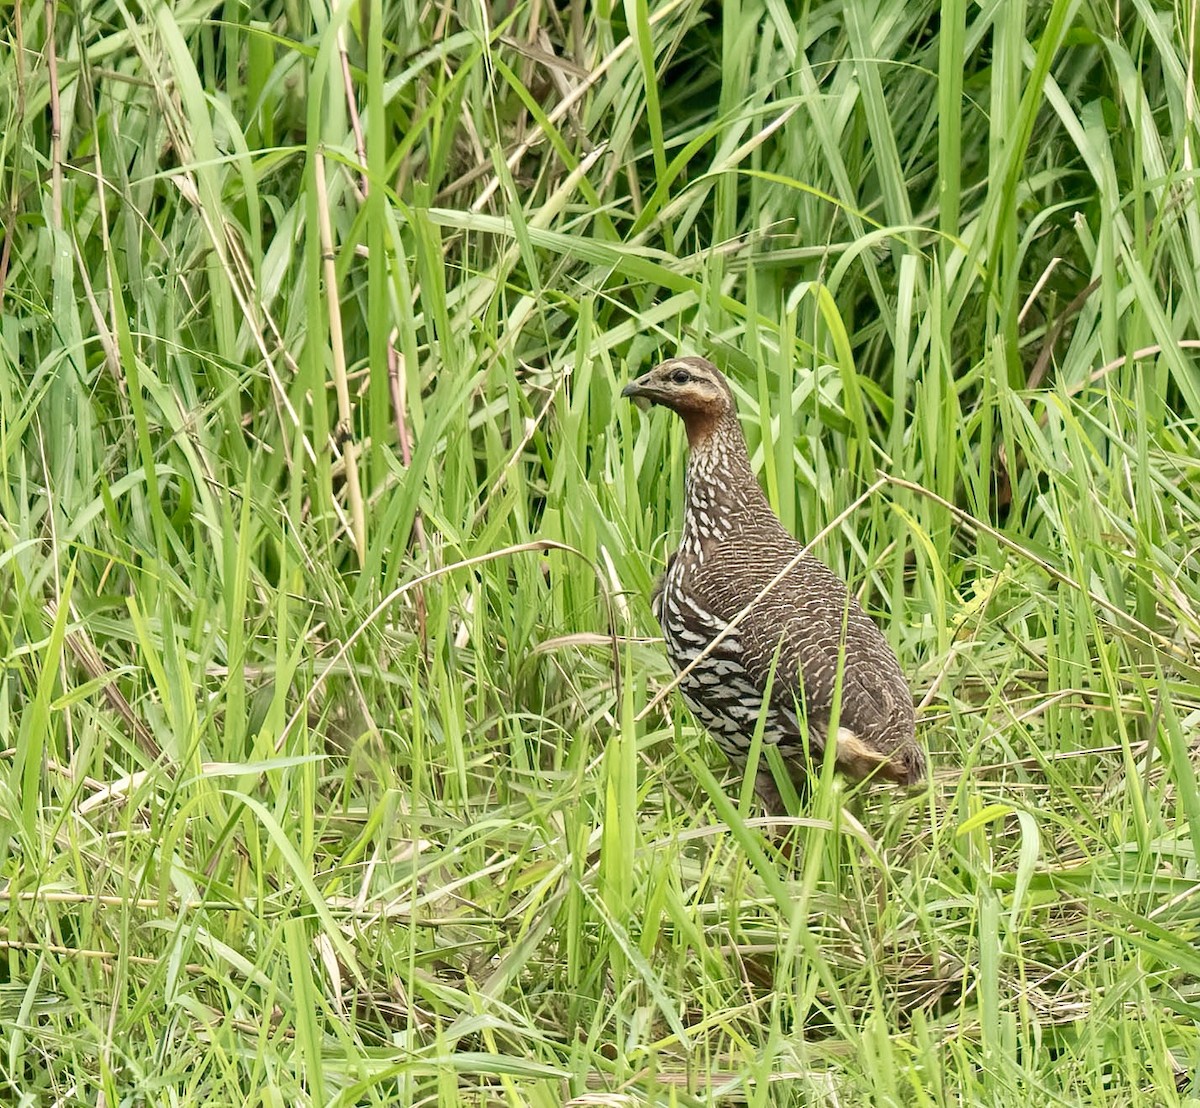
[[722, 491]]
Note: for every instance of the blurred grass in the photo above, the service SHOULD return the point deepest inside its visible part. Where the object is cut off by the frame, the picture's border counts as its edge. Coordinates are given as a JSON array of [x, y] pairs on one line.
[[293, 816]]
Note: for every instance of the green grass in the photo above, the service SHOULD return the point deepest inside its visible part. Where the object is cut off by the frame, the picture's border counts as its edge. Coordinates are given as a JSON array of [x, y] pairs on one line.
[[320, 781]]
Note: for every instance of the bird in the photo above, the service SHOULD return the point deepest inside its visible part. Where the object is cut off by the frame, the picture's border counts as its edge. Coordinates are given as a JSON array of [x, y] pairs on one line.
[[808, 625]]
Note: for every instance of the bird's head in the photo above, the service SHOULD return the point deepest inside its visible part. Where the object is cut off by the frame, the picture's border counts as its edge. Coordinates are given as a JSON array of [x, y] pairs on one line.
[[693, 388]]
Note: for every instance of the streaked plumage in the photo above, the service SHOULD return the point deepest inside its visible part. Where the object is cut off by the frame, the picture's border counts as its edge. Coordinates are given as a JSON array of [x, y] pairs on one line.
[[731, 547]]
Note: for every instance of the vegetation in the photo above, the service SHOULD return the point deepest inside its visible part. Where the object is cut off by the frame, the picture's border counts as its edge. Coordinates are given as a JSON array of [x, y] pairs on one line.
[[322, 778]]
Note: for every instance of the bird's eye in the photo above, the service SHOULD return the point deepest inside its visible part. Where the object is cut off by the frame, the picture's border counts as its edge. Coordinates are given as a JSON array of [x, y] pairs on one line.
[[681, 377]]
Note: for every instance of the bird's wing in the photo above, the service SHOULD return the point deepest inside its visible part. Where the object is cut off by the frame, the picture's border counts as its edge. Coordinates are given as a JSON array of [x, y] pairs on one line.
[[659, 584]]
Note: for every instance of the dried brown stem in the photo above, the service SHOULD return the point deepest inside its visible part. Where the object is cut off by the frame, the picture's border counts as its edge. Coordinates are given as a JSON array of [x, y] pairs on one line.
[[395, 372], [360, 145], [10, 212], [55, 117], [88, 657], [344, 437]]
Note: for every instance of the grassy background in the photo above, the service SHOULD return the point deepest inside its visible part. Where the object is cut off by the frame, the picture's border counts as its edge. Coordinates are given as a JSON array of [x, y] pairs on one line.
[[318, 784]]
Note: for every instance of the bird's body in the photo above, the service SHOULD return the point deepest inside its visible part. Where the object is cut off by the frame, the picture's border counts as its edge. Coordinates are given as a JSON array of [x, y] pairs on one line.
[[806, 625]]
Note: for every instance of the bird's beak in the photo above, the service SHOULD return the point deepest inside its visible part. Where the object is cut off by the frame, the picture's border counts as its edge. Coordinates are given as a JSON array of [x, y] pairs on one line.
[[640, 391]]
